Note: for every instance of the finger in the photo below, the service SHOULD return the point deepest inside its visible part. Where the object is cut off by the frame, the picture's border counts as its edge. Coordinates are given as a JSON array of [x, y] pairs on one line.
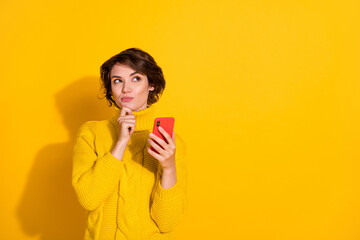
[[129, 126], [125, 110], [161, 142], [122, 121], [128, 123], [154, 154], [156, 146], [127, 117], [166, 135]]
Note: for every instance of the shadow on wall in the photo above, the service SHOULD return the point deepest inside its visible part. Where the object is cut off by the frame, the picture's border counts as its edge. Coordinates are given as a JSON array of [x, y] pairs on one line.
[[49, 206]]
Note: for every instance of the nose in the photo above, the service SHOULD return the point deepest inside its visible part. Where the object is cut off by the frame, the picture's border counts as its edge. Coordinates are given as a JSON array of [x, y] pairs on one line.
[[126, 88]]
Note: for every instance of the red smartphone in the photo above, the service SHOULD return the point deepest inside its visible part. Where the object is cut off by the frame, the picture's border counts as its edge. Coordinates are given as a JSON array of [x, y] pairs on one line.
[[167, 123]]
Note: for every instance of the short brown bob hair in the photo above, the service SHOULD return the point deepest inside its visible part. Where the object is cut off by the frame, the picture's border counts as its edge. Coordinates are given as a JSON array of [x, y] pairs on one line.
[[141, 62]]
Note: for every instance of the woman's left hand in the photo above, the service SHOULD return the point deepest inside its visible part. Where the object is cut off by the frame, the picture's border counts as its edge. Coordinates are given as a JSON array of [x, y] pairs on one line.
[[166, 155]]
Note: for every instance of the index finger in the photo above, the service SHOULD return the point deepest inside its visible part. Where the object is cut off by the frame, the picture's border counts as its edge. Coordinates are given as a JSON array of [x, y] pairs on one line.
[[166, 135], [125, 110]]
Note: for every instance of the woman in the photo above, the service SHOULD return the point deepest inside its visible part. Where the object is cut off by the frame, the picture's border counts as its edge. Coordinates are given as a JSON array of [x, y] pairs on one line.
[[128, 190]]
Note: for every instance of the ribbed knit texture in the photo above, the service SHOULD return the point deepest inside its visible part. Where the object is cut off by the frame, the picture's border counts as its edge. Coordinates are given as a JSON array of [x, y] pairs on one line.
[[124, 198]]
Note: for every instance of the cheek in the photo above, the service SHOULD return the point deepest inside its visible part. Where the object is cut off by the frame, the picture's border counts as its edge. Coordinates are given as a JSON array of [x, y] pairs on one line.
[[115, 92], [143, 91]]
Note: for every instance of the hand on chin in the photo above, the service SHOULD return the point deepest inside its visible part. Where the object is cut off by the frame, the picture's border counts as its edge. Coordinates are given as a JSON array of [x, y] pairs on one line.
[[127, 106]]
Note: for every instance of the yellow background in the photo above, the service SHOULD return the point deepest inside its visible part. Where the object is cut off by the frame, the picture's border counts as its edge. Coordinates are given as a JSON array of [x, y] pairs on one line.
[[265, 93]]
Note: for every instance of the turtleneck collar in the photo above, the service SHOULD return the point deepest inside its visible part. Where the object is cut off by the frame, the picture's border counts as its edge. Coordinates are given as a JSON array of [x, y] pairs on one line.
[[144, 118]]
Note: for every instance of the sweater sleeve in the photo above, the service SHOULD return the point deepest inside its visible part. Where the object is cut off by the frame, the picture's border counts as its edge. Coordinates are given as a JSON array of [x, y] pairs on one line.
[[94, 177], [170, 205]]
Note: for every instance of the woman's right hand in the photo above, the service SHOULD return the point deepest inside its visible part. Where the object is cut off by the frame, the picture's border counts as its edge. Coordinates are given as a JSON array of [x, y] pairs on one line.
[[126, 125]]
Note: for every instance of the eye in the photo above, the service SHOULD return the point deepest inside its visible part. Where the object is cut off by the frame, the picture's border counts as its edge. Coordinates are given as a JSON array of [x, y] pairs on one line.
[[116, 80], [137, 78]]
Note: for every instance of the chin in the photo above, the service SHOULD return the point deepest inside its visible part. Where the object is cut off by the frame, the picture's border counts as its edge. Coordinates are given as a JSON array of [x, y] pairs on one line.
[[126, 105], [130, 106]]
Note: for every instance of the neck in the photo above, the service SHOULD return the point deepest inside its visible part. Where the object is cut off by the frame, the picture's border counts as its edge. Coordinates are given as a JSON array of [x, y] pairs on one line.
[[144, 118]]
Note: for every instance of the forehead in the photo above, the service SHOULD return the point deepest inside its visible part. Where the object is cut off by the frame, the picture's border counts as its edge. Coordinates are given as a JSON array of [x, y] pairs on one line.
[[121, 69]]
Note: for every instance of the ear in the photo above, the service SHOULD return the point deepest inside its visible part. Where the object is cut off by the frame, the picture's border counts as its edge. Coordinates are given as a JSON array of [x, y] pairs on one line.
[[151, 88]]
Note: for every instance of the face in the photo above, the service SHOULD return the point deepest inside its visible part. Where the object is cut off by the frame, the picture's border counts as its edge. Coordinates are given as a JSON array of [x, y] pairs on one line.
[[127, 83]]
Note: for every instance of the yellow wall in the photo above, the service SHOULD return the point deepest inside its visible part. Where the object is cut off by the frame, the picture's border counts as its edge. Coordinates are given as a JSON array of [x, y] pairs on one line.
[[265, 93]]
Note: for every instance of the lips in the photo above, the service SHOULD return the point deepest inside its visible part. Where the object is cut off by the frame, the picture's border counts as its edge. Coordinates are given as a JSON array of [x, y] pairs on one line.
[[126, 99]]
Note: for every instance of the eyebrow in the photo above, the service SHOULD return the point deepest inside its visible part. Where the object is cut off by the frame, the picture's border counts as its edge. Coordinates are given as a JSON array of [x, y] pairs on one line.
[[121, 77]]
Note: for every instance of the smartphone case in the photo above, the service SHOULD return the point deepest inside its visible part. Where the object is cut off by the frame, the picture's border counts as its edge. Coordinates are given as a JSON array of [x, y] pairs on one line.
[[166, 123]]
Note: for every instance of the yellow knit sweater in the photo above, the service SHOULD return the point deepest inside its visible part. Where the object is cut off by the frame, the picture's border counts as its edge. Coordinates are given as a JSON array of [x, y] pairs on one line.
[[125, 199]]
